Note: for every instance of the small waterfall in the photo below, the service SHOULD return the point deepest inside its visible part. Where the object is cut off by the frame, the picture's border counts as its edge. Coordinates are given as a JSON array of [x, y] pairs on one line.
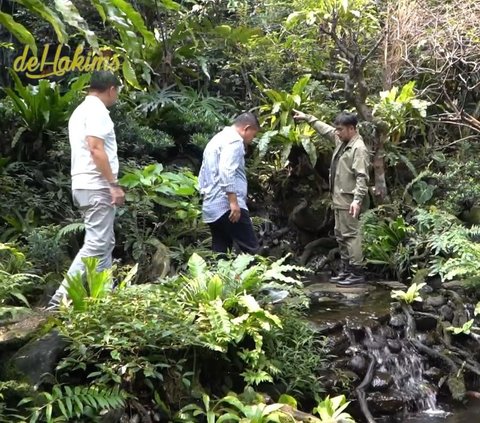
[[397, 358], [407, 369]]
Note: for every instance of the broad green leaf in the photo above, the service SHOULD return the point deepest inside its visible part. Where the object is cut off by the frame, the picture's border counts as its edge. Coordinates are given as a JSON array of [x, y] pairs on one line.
[[129, 74], [72, 17], [197, 266], [250, 303], [310, 149], [214, 287], [39, 8], [289, 400], [21, 33], [136, 19], [171, 5], [264, 142]]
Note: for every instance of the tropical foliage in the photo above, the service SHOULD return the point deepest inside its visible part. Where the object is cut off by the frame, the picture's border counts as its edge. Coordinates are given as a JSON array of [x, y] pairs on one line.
[[409, 69]]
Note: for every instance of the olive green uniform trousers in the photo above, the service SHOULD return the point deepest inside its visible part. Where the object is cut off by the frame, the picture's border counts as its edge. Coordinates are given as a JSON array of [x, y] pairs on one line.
[[349, 237]]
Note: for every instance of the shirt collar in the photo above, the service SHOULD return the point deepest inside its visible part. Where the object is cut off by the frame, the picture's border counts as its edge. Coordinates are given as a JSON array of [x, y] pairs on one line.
[[353, 140], [95, 99]]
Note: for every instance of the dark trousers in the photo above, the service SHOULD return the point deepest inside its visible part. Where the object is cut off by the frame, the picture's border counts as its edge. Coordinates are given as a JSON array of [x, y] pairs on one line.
[[225, 233]]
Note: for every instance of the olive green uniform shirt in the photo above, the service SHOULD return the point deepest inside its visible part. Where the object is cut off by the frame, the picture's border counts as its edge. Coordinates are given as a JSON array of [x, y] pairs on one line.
[[349, 166]]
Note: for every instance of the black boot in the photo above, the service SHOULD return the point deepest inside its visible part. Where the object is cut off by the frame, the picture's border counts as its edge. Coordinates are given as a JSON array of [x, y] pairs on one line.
[[343, 274], [356, 277]]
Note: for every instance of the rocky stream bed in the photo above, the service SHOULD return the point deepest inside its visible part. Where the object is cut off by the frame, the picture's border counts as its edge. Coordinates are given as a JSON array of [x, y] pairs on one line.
[[404, 364]]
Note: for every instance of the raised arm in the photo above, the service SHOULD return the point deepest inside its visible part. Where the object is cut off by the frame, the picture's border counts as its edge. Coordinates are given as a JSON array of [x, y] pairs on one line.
[[321, 127]]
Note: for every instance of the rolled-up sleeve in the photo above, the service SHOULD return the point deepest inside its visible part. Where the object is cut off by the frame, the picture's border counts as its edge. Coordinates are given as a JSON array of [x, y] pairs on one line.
[[231, 158], [361, 162]]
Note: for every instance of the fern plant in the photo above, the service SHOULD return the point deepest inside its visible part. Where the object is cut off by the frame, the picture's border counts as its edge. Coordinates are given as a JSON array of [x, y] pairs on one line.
[[226, 310], [14, 280], [67, 403], [245, 273]]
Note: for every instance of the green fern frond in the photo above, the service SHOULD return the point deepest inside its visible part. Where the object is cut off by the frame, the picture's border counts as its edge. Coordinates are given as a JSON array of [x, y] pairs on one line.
[[71, 229], [74, 402]]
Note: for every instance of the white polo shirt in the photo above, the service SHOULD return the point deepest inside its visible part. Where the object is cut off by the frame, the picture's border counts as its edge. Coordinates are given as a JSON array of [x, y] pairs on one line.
[[91, 118]]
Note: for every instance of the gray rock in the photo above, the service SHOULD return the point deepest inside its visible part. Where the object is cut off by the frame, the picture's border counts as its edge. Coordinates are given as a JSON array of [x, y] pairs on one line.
[[427, 338], [394, 345], [425, 323], [433, 375], [446, 313], [38, 357], [435, 301], [11, 314], [358, 364], [385, 403], [398, 321], [454, 285], [427, 289], [113, 416], [376, 343], [18, 333], [381, 382], [392, 285], [388, 332]]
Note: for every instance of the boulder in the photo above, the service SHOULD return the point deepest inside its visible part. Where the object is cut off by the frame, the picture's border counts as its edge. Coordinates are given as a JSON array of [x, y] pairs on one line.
[[37, 358], [425, 322], [386, 403], [446, 313], [19, 330], [394, 345], [358, 364], [398, 321], [433, 375], [435, 301]]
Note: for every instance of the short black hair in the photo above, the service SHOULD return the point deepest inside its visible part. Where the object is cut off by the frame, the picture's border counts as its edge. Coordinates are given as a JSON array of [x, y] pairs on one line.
[[247, 118], [346, 119], [103, 80]]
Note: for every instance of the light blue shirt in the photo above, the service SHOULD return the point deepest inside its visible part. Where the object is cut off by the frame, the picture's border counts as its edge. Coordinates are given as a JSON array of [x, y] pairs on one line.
[[222, 172]]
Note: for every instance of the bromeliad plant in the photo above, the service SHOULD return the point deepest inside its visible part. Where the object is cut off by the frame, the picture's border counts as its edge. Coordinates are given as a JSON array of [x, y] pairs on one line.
[[411, 295], [92, 285], [42, 108], [332, 410]]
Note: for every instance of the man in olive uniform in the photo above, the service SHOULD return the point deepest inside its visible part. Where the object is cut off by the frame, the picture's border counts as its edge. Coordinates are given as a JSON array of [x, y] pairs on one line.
[[348, 186]]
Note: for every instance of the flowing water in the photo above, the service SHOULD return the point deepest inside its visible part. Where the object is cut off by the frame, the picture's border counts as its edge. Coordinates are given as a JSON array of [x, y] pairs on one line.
[[469, 414], [406, 369]]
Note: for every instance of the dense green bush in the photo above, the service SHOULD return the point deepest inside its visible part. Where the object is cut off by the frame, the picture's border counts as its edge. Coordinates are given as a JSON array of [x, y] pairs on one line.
[[156, 335]]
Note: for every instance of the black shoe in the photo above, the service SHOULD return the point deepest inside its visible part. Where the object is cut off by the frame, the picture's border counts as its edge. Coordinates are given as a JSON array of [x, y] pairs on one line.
[[343, 274], [356, 277], [340, 277], [352, 279]]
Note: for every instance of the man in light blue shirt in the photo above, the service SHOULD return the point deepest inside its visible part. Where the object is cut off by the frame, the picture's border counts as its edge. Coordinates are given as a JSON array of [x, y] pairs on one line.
[[223, 185]]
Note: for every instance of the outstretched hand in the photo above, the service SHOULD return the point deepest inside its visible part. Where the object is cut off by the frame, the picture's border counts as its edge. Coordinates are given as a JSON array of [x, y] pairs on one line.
[[299, 116]]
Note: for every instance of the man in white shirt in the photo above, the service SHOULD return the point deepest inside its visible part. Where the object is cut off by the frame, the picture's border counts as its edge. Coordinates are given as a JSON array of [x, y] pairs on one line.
[[94, 170]]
